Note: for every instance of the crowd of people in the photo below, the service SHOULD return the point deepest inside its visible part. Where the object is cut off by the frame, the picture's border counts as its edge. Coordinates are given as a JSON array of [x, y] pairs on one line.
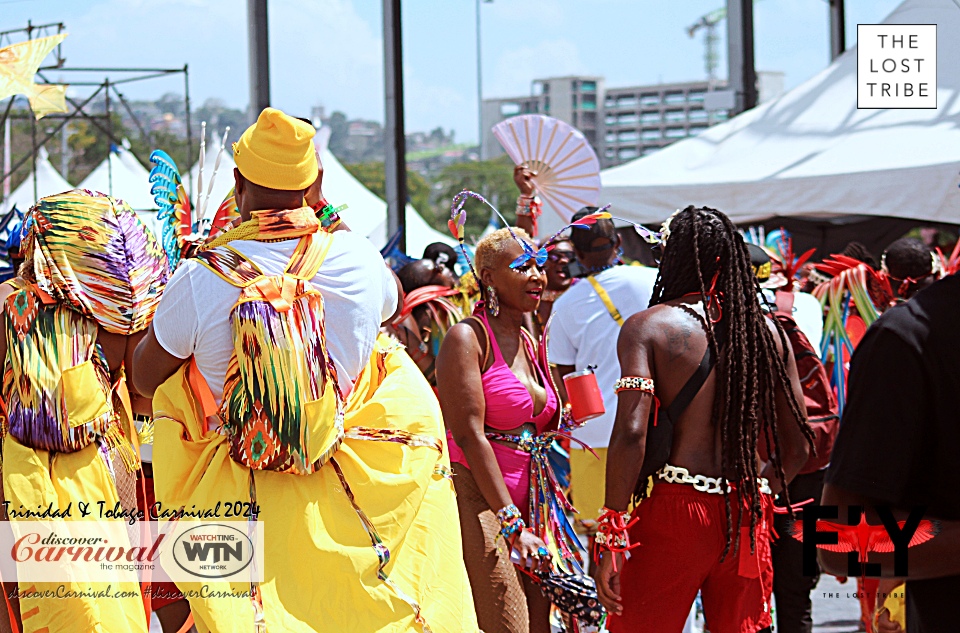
[[412, 443]]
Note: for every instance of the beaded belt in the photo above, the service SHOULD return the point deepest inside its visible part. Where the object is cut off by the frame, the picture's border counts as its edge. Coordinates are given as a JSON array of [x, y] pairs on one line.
[[701, 483], [549, 506]]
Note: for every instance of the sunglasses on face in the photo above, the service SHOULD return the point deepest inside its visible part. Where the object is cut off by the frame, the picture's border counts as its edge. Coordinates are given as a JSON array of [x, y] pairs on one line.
[[560, 256]]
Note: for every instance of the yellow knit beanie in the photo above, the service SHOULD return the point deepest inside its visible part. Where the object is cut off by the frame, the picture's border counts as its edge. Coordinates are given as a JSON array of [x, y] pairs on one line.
[[277, 152]]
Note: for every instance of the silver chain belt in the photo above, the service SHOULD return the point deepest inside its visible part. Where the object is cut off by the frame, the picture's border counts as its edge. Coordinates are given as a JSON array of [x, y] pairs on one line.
[[702, 483]]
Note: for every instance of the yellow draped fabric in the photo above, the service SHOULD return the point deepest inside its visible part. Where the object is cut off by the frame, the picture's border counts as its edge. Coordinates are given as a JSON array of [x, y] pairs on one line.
[[19, 63], [895, 603], [321, 571], [34, 478]]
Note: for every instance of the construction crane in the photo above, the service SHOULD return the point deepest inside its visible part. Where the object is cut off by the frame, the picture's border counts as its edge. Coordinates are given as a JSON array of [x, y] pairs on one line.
[[711, 40]]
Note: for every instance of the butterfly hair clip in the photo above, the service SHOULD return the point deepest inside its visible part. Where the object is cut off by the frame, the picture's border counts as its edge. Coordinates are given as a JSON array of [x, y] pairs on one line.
[[458, 219]]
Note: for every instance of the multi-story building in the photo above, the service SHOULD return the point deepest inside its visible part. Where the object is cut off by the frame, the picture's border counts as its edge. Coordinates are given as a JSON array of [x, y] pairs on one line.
[[640, 120], [620, 123], [575, 100]]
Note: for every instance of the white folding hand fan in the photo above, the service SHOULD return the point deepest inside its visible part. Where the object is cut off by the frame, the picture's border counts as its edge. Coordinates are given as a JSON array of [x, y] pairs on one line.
[[567, 170]]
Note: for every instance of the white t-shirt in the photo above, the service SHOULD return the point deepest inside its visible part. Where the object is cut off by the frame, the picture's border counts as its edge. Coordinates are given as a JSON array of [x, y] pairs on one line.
[[807, 312], [583, 333], [359, 293]]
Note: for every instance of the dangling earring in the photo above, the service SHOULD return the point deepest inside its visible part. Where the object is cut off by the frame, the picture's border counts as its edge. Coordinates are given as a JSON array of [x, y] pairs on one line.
[[493, 304], [620, 254]]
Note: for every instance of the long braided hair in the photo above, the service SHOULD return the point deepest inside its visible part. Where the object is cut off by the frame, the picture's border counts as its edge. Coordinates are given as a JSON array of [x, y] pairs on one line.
[[705, 247]]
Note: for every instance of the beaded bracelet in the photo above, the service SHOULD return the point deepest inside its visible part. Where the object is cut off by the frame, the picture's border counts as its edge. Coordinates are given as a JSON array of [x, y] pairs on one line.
[[613, 534], [510, 521], [634, 383], [529, 206]]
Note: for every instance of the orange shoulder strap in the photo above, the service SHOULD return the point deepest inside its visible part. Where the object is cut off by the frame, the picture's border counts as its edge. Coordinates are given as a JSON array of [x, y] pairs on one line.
[[203, 394]]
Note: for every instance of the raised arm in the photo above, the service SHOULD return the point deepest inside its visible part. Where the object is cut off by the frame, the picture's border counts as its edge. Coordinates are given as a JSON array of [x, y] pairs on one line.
[[523, 178]]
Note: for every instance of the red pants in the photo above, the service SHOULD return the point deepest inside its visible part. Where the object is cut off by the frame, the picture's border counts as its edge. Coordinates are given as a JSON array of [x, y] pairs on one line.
[[682, 534], [162, 593]]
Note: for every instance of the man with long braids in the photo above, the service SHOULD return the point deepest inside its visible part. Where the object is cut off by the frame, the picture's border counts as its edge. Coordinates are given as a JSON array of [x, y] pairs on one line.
[[706, 524]]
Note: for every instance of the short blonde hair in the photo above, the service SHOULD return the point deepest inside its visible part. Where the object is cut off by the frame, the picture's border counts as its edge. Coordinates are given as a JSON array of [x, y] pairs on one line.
[[493, 245]]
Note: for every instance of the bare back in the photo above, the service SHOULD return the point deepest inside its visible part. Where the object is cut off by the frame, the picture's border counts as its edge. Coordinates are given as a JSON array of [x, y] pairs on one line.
[[674, 338]]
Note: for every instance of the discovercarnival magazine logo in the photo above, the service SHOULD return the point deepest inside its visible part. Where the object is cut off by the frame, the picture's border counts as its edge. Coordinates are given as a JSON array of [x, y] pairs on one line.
[[113, 552]]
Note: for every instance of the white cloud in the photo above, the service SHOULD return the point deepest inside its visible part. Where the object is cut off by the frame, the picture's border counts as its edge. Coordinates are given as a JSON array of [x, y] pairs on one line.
[[320, 51], [210, 35], [324, 52], [516, 68]]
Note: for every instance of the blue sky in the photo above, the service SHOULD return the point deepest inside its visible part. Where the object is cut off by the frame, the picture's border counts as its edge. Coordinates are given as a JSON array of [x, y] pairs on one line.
[[330, 52]]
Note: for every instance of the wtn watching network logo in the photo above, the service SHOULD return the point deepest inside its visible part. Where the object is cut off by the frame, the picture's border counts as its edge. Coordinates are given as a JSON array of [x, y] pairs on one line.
[[214, 550], [859, 538]]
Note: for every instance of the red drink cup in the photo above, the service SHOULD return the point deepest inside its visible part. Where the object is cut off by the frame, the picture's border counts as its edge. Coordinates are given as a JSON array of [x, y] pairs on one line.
[[586, 401]]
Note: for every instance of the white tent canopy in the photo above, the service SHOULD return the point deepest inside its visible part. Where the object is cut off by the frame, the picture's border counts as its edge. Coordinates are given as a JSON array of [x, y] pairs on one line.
[[812, 154], [366, 213], [48, 182], [122, 176]]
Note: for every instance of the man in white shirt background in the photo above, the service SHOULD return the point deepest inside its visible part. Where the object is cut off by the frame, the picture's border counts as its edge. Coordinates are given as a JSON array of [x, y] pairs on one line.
[[583, 333]]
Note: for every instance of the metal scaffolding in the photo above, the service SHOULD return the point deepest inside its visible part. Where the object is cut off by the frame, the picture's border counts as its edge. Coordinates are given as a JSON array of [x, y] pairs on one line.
[[107, 89]]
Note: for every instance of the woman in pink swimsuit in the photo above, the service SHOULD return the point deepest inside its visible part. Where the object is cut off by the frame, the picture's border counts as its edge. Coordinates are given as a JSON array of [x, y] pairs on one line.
[[494, 391]]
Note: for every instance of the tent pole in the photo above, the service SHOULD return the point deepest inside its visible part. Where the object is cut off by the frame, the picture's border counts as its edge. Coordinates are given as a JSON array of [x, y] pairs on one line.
[[186, 108], [395, 167], [837, 29], [259, 57], [6, 150], [742, 71]]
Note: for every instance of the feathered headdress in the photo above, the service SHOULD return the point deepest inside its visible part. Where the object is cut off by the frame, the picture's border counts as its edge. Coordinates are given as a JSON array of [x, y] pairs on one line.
[[458, 219], [853, 285]]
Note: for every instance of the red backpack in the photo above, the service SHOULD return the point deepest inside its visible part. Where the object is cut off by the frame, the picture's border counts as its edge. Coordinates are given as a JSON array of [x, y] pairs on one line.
[[822, 409]]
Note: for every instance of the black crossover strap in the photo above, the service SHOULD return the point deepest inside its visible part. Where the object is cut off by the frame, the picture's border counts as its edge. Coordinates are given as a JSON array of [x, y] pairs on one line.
[[695, 382]]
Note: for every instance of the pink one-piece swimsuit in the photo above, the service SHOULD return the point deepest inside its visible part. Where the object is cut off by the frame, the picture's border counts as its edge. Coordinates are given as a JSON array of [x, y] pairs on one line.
[[508, 406]]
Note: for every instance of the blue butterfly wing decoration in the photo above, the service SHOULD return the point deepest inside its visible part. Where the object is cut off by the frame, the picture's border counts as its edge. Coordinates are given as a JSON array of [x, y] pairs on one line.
[[540, 256], [174, 206]]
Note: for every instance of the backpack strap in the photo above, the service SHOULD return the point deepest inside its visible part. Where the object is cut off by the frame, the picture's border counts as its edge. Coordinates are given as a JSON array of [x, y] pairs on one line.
[[605, 297], [240, 271], [202, 392], [231, 265], [309, 255]]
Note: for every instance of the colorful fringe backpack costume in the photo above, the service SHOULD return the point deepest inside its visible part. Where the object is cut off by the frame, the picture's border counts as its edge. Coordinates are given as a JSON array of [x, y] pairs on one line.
[[282, 408], [94, 265], [59, 396]]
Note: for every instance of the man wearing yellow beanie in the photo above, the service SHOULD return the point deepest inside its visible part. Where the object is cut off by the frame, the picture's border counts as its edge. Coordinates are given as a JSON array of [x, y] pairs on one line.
[[358, 535]]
